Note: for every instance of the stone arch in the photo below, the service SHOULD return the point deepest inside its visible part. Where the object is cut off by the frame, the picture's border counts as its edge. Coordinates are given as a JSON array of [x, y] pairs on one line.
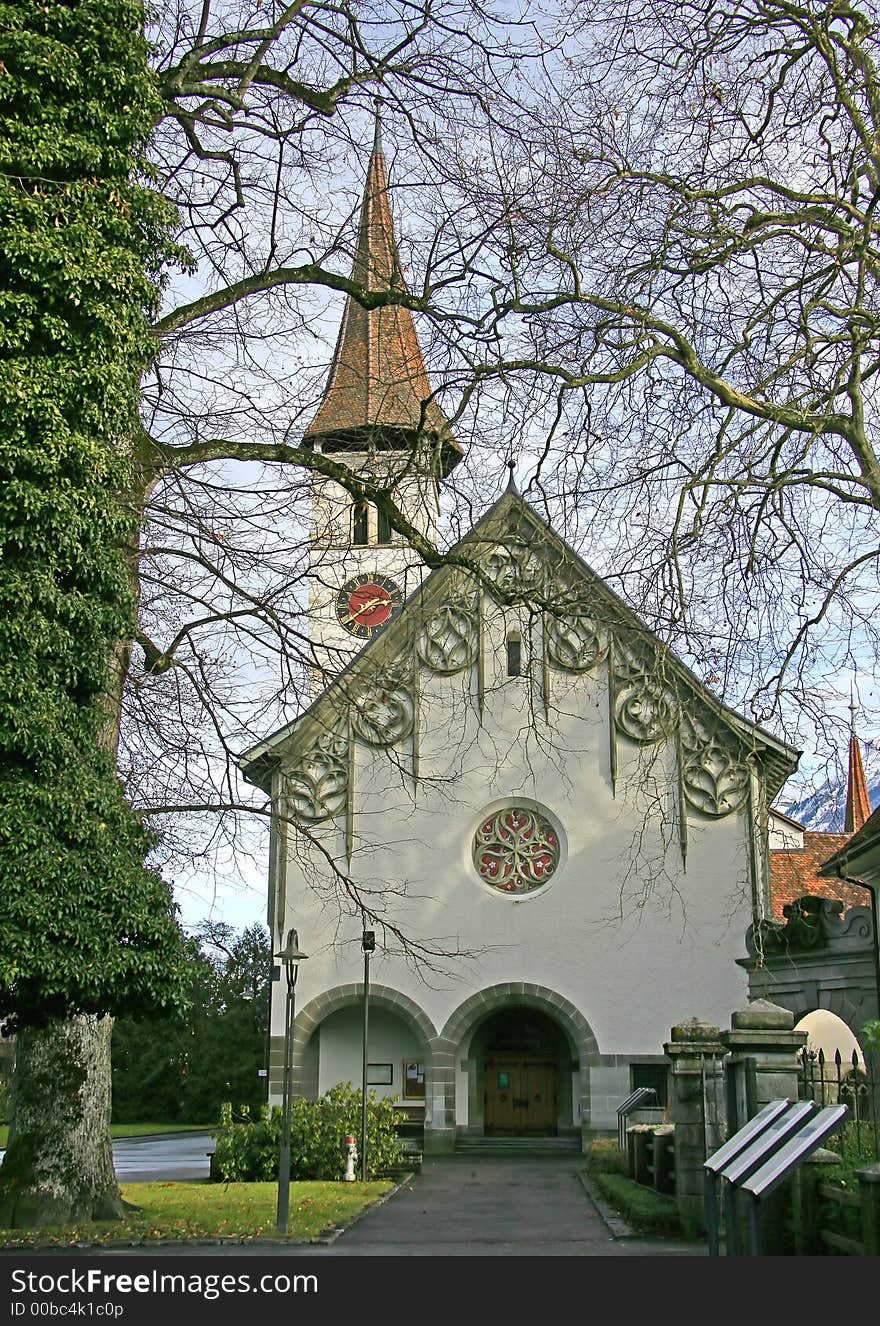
[[475, 1009], [309, 1018], [830, 1001], [829, 1033], [806, 1000], [540, 997], [829, 964]]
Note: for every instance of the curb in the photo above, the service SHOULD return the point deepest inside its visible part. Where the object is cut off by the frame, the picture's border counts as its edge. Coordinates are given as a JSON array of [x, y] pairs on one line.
[[612, 1220], [334, 1234]]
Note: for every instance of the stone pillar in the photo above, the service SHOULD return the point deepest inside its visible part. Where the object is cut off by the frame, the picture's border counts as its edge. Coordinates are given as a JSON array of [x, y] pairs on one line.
[[697, 1109], [440, 1100], [764, 1032]]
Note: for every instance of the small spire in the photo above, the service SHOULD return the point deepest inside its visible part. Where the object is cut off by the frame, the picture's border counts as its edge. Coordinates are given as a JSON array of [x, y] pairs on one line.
[[377, 130], [378, 392], [858, 804], [511, 482]]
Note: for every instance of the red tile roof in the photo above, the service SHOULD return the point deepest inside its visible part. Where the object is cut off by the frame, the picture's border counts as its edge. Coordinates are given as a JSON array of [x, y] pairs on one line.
[[793, 874]]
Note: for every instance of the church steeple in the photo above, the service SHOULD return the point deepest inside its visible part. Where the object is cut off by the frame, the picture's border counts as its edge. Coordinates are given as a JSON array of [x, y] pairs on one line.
[[378, 396], [858, 805]]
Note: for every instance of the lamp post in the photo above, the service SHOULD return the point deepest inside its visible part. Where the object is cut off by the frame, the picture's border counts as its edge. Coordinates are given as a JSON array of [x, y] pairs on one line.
[[368, 944], [291, 957]]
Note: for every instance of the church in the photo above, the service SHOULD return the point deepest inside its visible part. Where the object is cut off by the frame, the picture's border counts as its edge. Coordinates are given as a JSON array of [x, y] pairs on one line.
[[557, 835]]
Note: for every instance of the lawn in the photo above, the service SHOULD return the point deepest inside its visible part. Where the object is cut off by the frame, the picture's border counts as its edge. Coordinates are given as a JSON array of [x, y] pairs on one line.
[[136, 1129], [147, 1129], [205, 1210]]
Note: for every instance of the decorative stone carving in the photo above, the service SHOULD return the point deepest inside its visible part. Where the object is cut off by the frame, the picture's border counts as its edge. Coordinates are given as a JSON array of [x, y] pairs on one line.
[[645, 710], [574, 643], [714, 774], [447, 642], [317, 787], [634, 658], [645, 707], [382, 711], [514, 567], [516, 850], [812, 923]]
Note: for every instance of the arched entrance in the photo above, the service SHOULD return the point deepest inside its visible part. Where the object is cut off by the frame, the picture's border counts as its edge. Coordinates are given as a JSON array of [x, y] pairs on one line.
[[523, 1070], [328, 1046], [460, 1060]]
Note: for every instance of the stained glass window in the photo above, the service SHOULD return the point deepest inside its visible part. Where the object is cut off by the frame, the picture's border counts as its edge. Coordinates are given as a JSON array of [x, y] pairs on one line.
[[516, 850]]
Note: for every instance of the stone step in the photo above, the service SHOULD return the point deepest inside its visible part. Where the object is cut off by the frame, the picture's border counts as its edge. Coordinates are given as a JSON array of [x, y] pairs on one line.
[[493, 1146]]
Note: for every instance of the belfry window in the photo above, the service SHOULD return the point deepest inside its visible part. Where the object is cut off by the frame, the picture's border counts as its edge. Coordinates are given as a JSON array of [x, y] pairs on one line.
[[514, 655], [383, 527], [360, 524]]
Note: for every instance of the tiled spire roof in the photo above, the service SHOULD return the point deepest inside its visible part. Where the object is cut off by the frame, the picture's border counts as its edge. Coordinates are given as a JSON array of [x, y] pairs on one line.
[[858, 805], [377, 392]]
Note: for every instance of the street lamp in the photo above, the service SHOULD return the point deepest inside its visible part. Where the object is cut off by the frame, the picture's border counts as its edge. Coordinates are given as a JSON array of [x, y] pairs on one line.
[[291, 957], [368, 944]]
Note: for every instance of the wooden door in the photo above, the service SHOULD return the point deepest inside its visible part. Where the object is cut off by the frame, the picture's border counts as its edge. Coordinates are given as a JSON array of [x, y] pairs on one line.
[[538, 1087], [520, 1097]]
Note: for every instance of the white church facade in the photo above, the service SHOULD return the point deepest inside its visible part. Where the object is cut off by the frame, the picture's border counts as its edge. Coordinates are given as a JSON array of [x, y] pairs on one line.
[[558, 835]]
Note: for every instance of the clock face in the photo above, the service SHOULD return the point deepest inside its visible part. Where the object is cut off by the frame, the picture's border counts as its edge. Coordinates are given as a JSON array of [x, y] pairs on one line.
[[366, 602]]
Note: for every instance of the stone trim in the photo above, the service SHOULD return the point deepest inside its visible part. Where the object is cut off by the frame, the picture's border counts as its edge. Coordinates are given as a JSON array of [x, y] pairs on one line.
[[314, 1013], [556, 1006], [487, 1001]]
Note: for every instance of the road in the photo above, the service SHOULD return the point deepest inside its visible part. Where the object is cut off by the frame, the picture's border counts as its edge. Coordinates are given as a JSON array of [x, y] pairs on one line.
[[173, 1156], [169, 1156]]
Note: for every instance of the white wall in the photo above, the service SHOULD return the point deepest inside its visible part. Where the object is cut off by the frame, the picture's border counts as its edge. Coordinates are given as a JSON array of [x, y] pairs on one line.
[[625, 932], [340, 1054], [784, 835]]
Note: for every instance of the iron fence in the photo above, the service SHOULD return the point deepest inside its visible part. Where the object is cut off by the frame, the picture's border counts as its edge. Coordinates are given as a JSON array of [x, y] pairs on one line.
[[852, 1082]]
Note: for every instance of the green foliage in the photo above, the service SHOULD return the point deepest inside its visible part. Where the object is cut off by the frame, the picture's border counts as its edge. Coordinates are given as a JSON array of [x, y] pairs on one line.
[[83, 240], [606, 1157], [646, 1210], [871, 1033], [182, 1067], [247, 1148]]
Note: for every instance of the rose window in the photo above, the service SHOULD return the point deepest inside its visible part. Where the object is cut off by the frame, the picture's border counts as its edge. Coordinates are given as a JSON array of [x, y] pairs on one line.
[[516, 850]]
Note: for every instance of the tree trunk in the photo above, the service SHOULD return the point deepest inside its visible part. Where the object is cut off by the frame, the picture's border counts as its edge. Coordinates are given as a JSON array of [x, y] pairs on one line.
[[58, 1167]]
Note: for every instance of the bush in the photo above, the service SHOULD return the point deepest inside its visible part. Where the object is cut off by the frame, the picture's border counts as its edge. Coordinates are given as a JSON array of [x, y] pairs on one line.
[[247, 1147], [648, 1211], [606, 1157]]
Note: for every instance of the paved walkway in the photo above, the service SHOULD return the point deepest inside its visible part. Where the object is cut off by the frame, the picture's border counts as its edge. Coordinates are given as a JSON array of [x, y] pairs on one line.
[[509, 1207]]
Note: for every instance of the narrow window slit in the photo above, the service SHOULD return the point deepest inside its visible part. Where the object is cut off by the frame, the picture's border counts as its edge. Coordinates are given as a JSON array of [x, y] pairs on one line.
[[383, 527], [360, 526]]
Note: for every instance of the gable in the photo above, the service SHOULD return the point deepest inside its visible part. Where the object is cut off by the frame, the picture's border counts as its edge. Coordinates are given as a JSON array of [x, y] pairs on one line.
[[578, 627]]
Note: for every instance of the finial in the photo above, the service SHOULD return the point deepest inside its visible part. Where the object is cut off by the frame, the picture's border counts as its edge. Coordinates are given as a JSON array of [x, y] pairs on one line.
[[377, 131], [852, 706], [511, 482]]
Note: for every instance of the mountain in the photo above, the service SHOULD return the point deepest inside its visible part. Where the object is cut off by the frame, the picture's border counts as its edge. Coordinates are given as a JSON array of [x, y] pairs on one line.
[[823, 810]]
